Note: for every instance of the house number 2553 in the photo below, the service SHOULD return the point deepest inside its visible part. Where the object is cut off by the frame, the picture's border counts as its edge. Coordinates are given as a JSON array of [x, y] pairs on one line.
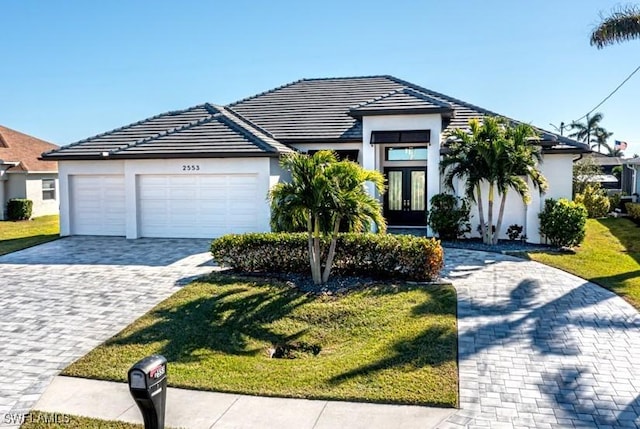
[[190, 167]]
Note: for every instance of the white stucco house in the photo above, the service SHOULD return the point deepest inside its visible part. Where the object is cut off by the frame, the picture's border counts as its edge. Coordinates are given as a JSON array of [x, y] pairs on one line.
[[205, 171], [24, 175]]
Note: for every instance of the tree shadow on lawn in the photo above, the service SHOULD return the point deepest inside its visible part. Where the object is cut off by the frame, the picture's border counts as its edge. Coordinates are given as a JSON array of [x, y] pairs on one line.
[[433, 347], [627, 232], [225, 322]]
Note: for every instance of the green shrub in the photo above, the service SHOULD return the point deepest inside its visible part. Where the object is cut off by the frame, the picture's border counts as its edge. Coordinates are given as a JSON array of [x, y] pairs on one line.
[[614, 201], [563, 222], [19, 209], [633, 209], [371, 255], [449, 216], [594, 200]]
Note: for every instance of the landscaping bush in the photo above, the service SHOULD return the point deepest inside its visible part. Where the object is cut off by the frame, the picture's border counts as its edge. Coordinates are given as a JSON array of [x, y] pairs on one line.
[[370, 255], [19, 209], [563, 222], [633, 209], [594, 200], [514, 231], [449, 216], [614, 201]]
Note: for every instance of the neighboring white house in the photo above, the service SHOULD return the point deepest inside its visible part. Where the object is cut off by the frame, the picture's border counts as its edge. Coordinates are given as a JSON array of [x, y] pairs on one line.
[[24, 175], [205, 171]]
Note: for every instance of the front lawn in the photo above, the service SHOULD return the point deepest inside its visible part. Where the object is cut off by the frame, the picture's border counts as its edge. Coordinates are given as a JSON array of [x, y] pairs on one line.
[[17, 235], [386, 343], [42, 420], [609, 256]]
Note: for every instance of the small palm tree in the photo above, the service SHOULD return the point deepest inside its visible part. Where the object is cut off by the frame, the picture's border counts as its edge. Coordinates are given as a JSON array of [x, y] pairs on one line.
[[323, 194], [461, 161], [498, 154], [521, 165], [621, 25]]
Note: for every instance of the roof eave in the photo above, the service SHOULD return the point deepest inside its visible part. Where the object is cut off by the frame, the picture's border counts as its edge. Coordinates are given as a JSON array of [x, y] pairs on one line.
[[123, 156], [312, 140], [359, 113]]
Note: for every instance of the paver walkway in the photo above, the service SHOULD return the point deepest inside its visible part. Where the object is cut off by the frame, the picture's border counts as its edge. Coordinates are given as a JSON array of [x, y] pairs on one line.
[[61, 299], [541, 348]]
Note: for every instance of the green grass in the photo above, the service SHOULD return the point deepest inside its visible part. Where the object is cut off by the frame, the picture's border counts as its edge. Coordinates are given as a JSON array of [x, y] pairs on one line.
[[388, 343], [41, 420], [17, 235], [609, 256]]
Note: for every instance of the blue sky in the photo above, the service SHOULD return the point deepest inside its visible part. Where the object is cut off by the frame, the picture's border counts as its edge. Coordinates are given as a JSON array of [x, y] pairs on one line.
[[72, 69]]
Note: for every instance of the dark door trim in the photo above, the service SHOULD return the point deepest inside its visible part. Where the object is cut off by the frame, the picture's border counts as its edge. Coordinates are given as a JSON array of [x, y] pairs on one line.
[[405, 203]]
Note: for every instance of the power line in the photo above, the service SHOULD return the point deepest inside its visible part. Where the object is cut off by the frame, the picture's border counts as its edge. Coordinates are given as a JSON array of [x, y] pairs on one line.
[[609, 96]]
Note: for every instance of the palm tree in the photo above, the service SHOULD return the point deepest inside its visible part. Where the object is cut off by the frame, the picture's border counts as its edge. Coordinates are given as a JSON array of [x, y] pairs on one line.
[[498, 154], [521, 165], [323, 194], [584, 131], [621, 25], [462, 161], [600, 137]]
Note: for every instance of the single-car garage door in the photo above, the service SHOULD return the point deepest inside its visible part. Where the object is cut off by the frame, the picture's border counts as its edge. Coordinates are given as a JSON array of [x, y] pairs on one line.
[[197, 206], [97, 205]]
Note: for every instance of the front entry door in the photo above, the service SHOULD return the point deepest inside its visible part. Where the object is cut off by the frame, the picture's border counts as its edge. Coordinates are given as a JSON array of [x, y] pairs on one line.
[[405, 201]]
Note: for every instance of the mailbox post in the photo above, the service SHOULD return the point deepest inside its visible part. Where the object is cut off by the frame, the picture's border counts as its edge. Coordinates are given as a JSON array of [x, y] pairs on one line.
[[148, 386]]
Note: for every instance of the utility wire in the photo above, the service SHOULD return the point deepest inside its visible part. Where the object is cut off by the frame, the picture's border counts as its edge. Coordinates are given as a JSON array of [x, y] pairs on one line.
[[609, 96]]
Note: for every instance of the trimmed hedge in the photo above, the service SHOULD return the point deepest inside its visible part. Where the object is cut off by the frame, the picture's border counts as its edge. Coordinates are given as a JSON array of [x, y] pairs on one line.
[[371, 255], [19, 209]]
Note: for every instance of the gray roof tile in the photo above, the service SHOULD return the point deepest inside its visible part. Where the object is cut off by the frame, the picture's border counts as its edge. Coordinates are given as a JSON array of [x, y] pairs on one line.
[[204, 130], [404, 100], [308, 110]]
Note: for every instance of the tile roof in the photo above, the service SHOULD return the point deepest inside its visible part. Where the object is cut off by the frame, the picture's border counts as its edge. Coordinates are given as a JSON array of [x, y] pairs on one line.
[[320, 109], [307, 110], [403, 101], [314, 109], [25, 150], [204, 130]]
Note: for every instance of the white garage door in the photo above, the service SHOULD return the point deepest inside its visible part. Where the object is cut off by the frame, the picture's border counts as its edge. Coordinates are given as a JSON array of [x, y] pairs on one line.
[[202, 206], [97, 205]]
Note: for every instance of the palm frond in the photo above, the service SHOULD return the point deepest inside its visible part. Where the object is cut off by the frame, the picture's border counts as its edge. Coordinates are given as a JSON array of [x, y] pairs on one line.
[[621, 25]]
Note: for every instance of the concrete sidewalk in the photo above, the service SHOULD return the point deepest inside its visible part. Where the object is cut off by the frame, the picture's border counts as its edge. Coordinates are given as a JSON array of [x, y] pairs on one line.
[[197, 409]]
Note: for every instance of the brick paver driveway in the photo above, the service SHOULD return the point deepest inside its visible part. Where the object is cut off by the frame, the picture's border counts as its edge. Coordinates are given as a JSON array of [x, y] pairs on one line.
[[61, 299], [541, 348]]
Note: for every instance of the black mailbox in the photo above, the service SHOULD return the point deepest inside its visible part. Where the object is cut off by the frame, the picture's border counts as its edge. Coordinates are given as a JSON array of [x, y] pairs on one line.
[[148, 386]]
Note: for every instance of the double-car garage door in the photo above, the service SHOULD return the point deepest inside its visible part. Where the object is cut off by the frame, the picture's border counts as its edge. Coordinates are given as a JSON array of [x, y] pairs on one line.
[[198, 206]]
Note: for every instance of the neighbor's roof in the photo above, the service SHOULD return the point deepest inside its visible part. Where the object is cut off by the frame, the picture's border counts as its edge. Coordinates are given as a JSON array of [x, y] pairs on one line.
[[602, 159], [201, 131], [308, 110], [17, 147]]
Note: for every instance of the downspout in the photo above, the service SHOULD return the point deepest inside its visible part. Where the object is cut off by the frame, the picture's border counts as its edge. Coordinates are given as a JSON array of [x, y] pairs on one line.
[[634, 182]]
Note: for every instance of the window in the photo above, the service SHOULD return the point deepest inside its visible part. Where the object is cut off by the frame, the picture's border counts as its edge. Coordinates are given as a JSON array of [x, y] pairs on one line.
[[406, 153], [48, 189], [420, 136]]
